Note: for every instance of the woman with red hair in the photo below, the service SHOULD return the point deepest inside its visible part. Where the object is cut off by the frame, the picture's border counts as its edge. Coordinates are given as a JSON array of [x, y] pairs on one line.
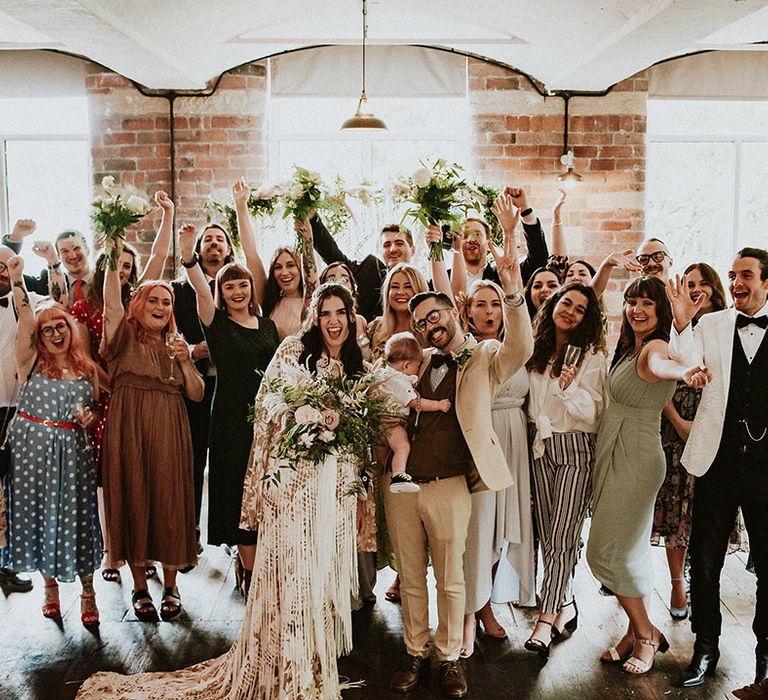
[[149, 494], [53, 525]]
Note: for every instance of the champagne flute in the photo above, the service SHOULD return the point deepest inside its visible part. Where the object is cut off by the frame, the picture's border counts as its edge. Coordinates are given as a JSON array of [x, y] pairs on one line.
[[79, 413], [170, 348], [572, 355]]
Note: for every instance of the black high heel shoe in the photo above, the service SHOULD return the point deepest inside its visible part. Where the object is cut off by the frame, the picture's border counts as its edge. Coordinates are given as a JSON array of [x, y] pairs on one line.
[[569, 626], [536, 645]]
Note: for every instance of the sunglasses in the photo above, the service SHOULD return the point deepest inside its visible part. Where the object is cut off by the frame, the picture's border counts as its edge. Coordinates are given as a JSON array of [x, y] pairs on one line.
[[48, 331], [657, 257]]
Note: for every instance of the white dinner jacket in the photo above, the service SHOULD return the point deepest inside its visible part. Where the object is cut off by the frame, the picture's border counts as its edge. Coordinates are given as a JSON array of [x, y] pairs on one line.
[[710, 344]]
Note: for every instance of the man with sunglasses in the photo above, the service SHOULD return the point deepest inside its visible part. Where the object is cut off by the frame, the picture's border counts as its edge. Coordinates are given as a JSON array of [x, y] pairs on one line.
[[9, 579], [451, 454], [654, 258]]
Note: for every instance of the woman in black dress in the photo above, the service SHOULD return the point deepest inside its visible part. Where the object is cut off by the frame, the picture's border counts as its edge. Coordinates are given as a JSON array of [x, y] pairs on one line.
[[240, 344]]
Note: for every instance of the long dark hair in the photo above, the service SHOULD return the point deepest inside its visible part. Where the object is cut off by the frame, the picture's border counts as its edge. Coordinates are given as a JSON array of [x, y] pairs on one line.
[[589, 335], [649, 288], [312, 337], [272, 291], [529, 285], [96, 287], [710, 276]]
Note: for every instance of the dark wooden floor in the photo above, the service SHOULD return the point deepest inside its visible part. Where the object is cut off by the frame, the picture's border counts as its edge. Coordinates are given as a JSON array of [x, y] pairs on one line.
[[40, 660]]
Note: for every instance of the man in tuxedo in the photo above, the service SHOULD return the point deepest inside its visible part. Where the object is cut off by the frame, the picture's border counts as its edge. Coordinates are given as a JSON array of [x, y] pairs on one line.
[[70, 250], [213, 250], [451, 454], [727, 449], [396, 245]]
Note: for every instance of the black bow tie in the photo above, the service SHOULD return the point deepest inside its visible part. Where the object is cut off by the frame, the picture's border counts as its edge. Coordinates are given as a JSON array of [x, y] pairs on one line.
[[4, 302], [742, 321], [439, 360]]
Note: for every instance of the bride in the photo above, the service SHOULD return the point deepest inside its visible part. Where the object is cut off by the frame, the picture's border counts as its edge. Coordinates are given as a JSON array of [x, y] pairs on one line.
[[298, 617]]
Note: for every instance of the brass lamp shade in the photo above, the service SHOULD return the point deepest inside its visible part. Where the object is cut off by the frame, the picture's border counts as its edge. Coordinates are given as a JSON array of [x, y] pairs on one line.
[[363, 119], [569, 178]]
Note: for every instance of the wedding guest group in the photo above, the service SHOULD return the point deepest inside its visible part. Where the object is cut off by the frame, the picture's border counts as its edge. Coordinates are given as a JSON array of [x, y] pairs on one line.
[[506, 428]]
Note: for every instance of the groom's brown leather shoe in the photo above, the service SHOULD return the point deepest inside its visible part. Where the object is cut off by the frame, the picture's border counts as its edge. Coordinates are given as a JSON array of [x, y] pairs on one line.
[[452, 680], [408, 676]]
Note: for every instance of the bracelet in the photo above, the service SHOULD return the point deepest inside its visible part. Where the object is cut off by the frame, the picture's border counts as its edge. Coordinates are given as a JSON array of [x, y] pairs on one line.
[[418, 403], [55, 266], [526, 212], [514, 300], [189, 265]]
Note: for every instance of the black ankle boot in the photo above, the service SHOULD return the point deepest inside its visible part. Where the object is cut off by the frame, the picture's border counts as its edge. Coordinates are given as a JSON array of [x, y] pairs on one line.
[[761, 662], [702, 664]]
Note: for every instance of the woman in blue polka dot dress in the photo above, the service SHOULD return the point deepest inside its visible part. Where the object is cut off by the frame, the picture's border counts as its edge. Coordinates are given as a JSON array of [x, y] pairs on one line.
[[53, 522]]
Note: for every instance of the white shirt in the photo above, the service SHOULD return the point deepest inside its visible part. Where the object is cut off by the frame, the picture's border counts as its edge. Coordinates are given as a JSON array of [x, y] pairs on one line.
[[8, 325], [752, 336], [575, 409]]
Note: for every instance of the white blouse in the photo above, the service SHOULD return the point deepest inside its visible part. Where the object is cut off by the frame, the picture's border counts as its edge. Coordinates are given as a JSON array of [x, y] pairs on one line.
[[575, 409]]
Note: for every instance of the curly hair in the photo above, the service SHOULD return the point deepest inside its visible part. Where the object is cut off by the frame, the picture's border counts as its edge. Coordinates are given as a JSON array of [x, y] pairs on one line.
[[272, 291], [710, 276], [646, 288], [589, 335], [312, 337]]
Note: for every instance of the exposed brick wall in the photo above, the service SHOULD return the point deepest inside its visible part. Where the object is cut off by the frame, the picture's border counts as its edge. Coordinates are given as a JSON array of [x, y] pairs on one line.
[[217, 140], [518, 139]]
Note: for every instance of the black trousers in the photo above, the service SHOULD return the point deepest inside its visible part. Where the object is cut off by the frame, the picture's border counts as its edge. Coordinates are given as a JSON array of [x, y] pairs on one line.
[[6, 414], [199, 414], [733, 480]]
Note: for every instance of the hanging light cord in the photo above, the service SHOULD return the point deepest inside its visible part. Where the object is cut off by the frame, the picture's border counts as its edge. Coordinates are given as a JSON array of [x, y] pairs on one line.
[[566, 100], [365, 36]]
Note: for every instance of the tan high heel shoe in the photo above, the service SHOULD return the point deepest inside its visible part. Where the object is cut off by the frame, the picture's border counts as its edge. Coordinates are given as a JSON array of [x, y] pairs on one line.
[[636, 666]]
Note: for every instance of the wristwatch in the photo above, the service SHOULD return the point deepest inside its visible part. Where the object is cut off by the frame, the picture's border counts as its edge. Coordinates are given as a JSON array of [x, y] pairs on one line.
[[189, 265], [514, 300]]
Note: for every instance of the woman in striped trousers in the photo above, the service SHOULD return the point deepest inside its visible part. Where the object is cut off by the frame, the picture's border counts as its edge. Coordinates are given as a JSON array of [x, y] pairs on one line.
[[565, 401]]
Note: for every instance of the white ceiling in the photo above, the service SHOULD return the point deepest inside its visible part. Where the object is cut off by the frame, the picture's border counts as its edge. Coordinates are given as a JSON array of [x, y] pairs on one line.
[[564, 44]]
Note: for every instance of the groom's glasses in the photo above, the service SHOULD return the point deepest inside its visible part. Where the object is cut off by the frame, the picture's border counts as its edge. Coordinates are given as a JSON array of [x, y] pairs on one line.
[[657, 257], [432, 317]]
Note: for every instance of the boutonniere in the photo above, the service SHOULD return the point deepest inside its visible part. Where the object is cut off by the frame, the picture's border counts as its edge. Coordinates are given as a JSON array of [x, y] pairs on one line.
[[462, 357]]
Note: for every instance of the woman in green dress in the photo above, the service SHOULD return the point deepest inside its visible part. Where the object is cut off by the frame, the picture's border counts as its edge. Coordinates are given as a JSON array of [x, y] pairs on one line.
[[630, 465]]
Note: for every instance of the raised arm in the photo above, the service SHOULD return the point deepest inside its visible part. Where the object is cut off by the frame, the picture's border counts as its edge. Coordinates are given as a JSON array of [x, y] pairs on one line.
[[113, 303], [654, 364], [325, 245], [240, 194], [57, 284], [26, 352], [153, 270], [21, 229], [625, 260], [203, 297], [308, 264], [439, 271], [538, 253], [559, 246]]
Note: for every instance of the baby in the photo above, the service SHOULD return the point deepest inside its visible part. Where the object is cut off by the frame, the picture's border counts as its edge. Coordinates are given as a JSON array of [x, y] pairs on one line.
[[404, 356]]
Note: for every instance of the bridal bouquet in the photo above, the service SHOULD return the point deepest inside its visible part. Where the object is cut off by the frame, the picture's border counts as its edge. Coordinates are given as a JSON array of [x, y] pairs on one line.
[[113, 212], [318, 414], [261, 203], [438, 194]]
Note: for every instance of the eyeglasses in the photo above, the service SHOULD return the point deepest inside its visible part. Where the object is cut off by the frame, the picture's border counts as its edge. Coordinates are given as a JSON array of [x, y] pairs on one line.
[[657, 257], [432, 317], [59, 328]]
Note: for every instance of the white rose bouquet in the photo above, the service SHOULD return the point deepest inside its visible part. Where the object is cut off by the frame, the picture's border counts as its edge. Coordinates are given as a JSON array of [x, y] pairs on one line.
[[319, 414], [438, 194], [113, 212]]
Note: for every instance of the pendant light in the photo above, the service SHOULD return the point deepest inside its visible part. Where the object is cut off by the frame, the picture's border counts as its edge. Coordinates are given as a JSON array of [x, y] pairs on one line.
[[362, 119], [570, 177]]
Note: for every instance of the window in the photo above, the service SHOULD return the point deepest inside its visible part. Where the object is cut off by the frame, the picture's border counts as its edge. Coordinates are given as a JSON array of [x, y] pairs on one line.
[[707, 178], [44, 168]]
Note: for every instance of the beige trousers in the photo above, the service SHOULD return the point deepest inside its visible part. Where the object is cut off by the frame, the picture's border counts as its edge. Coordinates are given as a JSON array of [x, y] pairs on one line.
[[432, 523]]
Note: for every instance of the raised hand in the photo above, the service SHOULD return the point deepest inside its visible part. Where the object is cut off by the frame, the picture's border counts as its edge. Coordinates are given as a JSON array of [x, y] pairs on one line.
[[697, 376], [240, 193], [15, 268], [22, 228], [164, 202], [187, 237], [303, 228], [560, 199], [625, 260], [46, 251], [506, 260], [684, 308], [504, 210], [433, 235], [519, 198]]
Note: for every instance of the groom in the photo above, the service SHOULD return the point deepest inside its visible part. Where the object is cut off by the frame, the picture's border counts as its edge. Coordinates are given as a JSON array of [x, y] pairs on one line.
[[451, 453], [727, 449]]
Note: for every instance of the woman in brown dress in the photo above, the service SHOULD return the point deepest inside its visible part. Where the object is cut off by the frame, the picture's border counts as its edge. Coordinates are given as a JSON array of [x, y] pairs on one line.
[[147, 451]]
